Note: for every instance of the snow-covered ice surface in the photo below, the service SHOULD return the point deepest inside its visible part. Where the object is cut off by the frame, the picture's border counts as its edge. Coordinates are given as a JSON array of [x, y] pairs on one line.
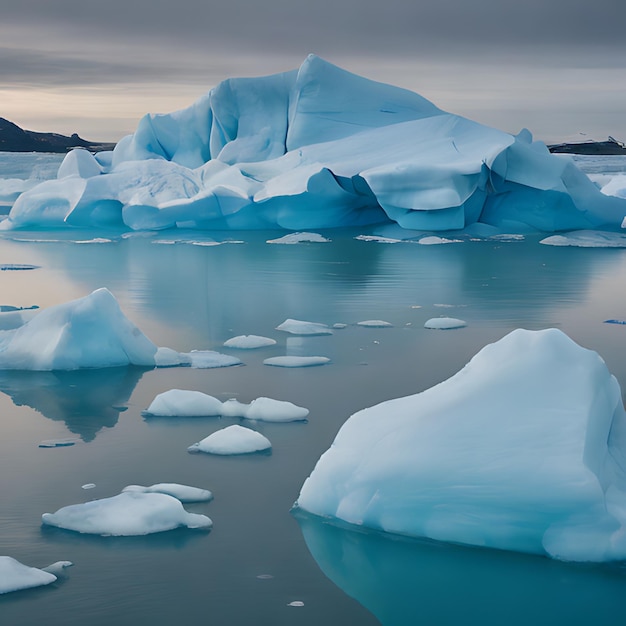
[[232, 440], [15, 576], [127, 514], [187, 403], [444, 323], [315, 148], [587, 239], [296, 361], [249, 342], [184, 493], [523, 449], [301, 327]]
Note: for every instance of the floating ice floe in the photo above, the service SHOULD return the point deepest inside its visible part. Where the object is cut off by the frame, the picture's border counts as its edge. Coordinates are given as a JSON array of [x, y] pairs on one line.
[[300, 238], [207, 359], [621, 322], [296, 361], [232, 440], [434, 241], [523, 449], [374, 324], [15, 576], [249, 342], [127, 514], [377, 239], [587, 239], [315, 148], [444, 323], [184, 493], [300, 327], [183, 403], [340, 325]]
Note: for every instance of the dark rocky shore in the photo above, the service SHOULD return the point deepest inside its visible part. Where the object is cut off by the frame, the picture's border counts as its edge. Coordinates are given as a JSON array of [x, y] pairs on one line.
[[610, 146], [15, 139]]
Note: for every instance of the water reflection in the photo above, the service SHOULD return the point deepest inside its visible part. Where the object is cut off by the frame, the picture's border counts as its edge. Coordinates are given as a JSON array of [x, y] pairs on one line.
[[406, 582], [86, 400]]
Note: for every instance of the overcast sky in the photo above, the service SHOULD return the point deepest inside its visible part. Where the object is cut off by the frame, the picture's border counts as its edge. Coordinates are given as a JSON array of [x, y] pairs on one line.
[[95, 67]]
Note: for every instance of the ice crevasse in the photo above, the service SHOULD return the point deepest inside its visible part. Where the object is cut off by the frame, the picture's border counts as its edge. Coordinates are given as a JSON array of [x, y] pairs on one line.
[[317, 147], [523, 449]]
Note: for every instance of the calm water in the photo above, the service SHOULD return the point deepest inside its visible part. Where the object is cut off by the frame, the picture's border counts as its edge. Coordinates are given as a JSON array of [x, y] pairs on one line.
[[193, 297]]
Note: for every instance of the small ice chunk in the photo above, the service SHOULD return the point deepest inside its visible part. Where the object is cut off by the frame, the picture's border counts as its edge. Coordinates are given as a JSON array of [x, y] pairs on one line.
[[296, 603], [433, 241], [296, 361], [183, 403], [375, 324], [127, 514], [57, 443], [444, 323], [615, 321], [300, 238], [340, 325], [265, 576], [377, 239], [300, 327], [207, 359], [269, 410], [57, 567], [232, 440], [15, 576], [184, 493], [88, 486], [249, 342]]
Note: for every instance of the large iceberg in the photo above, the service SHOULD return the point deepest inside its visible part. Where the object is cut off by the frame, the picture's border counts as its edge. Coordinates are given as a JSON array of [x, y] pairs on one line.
[[317, 147], [524, 449]]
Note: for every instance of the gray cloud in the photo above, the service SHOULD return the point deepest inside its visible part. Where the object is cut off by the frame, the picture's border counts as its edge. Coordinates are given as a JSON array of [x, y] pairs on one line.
[[461, 53]]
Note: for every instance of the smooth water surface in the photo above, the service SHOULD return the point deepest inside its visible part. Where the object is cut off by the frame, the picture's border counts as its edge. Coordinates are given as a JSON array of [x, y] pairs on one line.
[[257, 559]]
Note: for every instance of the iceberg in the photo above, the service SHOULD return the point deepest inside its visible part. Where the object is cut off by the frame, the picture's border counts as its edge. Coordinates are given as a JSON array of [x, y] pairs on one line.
[[85, 333], [524, 449], [15, 576], [128, 514], [232, 440], [314, 148]]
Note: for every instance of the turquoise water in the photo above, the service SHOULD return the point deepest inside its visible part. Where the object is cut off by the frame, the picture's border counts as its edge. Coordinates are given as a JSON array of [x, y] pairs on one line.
[[259, 557]]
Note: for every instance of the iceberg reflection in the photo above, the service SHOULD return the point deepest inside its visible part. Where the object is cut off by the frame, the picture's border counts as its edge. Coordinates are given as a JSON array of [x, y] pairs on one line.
[[86, 400], [409, 582]]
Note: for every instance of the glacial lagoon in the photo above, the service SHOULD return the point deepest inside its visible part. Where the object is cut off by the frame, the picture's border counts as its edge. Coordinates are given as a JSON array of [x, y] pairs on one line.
[[260, 564]]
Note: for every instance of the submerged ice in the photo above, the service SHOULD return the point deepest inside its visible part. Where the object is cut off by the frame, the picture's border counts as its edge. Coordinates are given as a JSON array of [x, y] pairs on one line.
[[524, 449], [315, 148]]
